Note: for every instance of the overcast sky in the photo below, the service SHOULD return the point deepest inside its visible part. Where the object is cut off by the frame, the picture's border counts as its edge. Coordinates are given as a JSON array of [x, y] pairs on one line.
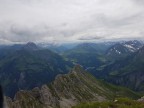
[[70, 20]]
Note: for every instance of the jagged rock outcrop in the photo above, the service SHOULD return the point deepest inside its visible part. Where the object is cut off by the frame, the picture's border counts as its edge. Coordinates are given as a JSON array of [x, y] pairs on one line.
[[68, 90], [141, 99]]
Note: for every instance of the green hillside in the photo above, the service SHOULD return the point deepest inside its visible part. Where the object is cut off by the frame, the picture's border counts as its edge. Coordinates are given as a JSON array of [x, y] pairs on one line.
[[118, 103], [28, 67]]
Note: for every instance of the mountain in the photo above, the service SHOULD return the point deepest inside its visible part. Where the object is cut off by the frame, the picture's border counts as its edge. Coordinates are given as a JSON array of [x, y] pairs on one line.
[[89, 55], [94, 47], [30, 46], [127, 72], [117, 50], [29, 67], [123, 49], [133, 45], [58, 48], [68, 90]]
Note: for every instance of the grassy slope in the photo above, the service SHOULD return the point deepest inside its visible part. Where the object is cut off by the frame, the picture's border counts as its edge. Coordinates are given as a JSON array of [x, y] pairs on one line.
[[119, 103]]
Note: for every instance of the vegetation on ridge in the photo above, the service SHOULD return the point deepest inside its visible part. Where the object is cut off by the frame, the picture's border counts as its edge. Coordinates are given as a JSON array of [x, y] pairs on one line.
[[118, 103]]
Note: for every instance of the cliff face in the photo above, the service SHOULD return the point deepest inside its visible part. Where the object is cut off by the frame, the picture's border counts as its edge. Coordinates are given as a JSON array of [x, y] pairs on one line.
[[127, 72], [66, 91]]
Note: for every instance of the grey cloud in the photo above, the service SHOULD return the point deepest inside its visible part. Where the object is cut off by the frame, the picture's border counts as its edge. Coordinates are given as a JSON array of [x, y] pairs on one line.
[[70, 20], [139, 2], [91, 38], [17, 33]]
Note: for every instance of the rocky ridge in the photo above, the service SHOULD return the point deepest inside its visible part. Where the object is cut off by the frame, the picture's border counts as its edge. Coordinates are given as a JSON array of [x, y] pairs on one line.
[[68, 90]]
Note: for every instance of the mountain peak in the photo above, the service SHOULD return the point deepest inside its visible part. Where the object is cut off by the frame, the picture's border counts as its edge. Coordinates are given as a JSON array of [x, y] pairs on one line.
[[30, 46], [141, 51], [124, 49], [77, 69]]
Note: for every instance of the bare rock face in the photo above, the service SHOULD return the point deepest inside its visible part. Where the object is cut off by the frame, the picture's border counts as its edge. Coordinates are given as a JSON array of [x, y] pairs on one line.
[[141, 99], [47, 97], [66, 91]]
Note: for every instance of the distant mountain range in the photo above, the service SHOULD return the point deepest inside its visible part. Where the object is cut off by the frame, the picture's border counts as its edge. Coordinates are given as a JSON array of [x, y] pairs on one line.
[[128, 72], [119, 63], [58, 48], [28, 66], [89, 55], [123, 49]]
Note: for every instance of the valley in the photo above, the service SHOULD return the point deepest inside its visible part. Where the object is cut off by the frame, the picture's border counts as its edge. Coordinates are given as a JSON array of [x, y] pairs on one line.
[[41, 76]]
